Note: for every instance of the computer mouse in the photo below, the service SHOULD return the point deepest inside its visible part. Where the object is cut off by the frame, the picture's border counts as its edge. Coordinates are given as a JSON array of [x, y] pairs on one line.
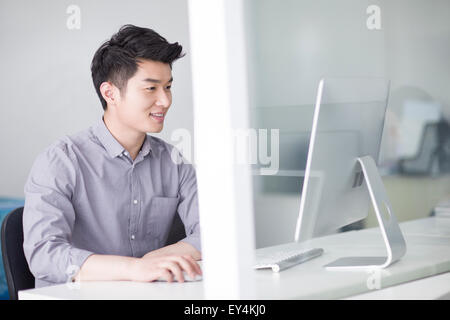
[[186, 276]]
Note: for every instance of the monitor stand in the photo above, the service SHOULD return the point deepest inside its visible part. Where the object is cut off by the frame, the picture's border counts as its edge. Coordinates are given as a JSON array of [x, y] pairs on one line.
[[392, 235]]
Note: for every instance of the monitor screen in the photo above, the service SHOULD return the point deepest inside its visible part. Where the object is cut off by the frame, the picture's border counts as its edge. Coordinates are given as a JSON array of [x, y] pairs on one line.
[[347, 124]]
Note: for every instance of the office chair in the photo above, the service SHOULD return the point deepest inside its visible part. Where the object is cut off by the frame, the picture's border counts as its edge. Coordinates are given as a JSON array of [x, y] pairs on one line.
[[177, 231], [18, 274]]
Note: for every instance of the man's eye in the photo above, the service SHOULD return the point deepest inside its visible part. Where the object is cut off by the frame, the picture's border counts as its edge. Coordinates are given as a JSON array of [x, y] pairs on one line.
[[168, 87], [151, 89]]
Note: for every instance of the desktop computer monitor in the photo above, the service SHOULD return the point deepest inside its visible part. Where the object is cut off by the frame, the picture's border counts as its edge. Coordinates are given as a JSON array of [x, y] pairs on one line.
[[341, 178]]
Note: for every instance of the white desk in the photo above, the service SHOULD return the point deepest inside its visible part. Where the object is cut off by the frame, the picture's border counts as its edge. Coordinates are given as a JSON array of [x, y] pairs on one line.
[[431, 288], [428, 254]]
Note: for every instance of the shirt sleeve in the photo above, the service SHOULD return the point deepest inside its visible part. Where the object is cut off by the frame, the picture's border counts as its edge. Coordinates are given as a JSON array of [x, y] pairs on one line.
[[49, 217], [188, 205]]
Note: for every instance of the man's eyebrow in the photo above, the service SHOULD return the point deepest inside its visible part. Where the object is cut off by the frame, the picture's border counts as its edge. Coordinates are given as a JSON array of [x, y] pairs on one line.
[[156, 80]]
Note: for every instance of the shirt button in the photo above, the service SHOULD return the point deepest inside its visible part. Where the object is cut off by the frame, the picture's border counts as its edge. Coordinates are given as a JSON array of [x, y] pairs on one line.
[[132, 237], [135, 201]]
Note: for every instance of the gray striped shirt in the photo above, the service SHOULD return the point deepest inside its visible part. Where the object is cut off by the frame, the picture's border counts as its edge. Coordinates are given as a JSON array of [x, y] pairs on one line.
[[86, 195]]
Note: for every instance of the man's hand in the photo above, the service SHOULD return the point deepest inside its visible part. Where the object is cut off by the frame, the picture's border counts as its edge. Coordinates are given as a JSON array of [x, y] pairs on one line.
[[150, 268]]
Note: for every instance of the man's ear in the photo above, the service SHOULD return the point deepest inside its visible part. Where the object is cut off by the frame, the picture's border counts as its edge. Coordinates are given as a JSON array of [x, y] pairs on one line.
[[109, 92]]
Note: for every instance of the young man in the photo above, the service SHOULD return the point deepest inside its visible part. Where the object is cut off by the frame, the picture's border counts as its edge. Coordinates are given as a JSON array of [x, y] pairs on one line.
[[99, 204]]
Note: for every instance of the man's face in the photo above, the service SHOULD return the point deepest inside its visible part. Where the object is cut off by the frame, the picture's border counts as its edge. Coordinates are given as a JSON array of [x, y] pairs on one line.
[[145, 101]]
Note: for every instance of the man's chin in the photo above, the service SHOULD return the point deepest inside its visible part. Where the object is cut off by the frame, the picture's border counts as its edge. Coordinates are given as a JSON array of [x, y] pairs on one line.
[[155, 129]]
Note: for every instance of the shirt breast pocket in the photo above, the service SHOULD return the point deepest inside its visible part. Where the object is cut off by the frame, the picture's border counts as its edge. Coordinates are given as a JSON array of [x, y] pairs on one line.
[[159, 217]]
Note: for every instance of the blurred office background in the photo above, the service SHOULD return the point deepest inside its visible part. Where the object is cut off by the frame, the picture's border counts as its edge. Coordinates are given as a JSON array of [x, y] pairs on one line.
[[293, 44], [47, 92]]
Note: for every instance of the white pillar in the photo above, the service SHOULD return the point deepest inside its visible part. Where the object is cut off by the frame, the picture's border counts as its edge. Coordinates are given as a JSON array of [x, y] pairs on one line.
[[220, 96]]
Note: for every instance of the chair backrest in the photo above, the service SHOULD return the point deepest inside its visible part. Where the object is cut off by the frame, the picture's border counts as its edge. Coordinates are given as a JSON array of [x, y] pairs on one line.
[[177, 231], [18, 274]]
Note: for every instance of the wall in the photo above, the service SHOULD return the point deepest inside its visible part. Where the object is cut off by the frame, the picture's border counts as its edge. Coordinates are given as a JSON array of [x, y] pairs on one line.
[[46, 88]]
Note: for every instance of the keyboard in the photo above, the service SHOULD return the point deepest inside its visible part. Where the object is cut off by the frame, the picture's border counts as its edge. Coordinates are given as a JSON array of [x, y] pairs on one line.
[[284, 257]]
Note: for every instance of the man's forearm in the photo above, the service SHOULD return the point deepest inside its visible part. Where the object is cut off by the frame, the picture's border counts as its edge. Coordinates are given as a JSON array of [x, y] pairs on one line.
[[179, 248], [110, 267], [106, 267]]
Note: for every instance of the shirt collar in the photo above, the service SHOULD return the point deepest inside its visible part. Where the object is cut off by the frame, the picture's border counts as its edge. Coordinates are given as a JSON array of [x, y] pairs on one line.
[[112, 146], [146, 146]]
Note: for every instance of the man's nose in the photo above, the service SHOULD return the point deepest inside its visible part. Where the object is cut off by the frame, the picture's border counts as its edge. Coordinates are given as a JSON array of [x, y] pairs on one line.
[[163, 98]]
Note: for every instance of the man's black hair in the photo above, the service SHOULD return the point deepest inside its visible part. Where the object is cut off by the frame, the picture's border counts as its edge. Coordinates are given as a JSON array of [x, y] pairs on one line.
[[117, 59]]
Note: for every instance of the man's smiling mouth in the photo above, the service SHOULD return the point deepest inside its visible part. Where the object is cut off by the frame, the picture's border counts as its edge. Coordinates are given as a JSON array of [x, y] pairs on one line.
[[158, 117]]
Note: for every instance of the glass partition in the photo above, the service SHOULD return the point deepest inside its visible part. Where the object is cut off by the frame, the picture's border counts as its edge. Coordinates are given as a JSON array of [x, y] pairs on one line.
[[292, 44]]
